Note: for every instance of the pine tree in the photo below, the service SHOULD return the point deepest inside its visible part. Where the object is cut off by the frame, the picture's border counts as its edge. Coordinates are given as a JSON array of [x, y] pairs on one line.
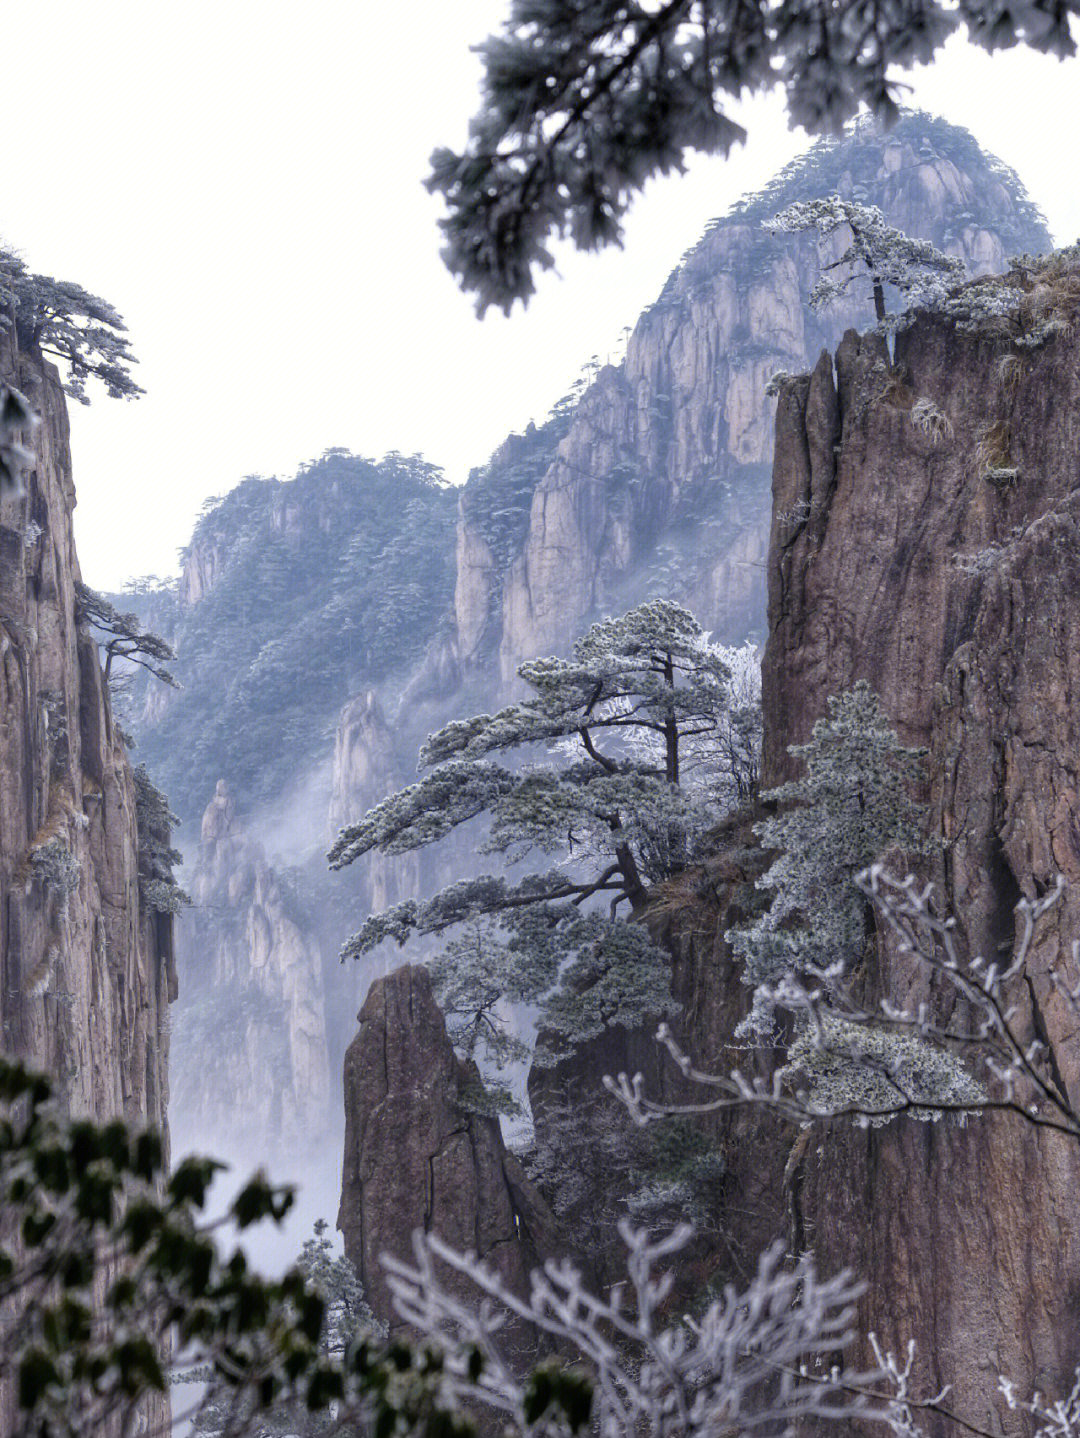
[[62, 321], [583, 101], [631, 724], [852, 804], [878, 253]]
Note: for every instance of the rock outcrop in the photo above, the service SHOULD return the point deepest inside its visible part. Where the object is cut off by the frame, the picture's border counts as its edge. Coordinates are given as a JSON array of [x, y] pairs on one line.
[[419, 1154], [252, 1068], [942, 568], [86, 964]]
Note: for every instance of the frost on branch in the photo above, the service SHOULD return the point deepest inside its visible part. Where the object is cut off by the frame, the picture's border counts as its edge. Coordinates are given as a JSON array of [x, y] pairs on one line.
[[852, 1067], [753, 1361], [879, 254], [873, 1064], [852, 804]]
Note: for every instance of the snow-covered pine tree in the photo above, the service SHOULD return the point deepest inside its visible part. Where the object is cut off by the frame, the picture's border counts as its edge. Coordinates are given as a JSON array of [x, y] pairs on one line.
[[852, 804], [878, 253], [62, 321], [616, 762]]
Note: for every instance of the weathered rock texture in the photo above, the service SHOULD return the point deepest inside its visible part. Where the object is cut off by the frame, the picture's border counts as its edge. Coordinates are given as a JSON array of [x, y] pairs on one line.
[[957, 599], [659, 483], [419, 1156], [86, 968], [252, 1071]]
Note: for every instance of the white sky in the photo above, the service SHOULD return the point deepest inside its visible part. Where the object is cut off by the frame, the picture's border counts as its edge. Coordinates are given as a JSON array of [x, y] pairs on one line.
[[244, 184]]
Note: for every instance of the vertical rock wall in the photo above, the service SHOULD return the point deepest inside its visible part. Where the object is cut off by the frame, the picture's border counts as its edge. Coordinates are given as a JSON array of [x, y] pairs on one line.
[[86, 969], [661, 482], [252, 1067], [957, 598]]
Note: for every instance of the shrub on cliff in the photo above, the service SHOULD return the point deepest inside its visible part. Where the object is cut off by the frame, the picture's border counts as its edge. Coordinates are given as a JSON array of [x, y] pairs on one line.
[[634, 724]]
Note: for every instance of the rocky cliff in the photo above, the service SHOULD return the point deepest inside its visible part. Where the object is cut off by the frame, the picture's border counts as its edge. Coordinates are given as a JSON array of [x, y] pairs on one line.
[[420, 1153], [251, 1058], [657, 481], [300, 596], [86, 964], [942, 567], [939, 562]]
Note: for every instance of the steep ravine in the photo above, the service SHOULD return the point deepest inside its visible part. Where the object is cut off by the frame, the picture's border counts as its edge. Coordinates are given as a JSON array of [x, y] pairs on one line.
[[86, 967], [655, 481]]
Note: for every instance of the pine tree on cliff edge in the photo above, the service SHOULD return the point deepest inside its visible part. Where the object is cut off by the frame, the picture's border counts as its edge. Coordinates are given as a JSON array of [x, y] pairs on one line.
[[633, 725]]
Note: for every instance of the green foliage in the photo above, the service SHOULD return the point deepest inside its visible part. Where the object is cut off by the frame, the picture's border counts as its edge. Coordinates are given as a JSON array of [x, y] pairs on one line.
[[852, 804], [62, 321], [108, 1264], [632, 725], [346, 1321], [332, 582]]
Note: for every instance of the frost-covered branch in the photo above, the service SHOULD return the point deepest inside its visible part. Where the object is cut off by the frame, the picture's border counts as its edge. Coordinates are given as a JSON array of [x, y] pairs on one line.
[[753, 1361], [878, 253], [873, 1065], [120, 636]]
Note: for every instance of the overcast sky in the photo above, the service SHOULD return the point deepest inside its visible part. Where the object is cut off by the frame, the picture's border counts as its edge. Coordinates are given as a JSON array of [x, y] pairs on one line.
[[244, 183]]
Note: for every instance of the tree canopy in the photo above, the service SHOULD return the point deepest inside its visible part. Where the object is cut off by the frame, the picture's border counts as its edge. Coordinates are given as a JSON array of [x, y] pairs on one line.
[[584, 100], [878, 253], [619, 767], [62, 321]]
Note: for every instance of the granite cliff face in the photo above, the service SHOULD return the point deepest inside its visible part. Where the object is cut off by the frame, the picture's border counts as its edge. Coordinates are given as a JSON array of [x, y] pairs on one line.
[[251, 1058], [418, 1154], [948, 580], [941, 566], [658, 482], [86, 965]]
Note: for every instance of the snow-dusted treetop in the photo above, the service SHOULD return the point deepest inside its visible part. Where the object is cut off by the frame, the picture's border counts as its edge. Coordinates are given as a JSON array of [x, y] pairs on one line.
[[878, 253], [62, 321]]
